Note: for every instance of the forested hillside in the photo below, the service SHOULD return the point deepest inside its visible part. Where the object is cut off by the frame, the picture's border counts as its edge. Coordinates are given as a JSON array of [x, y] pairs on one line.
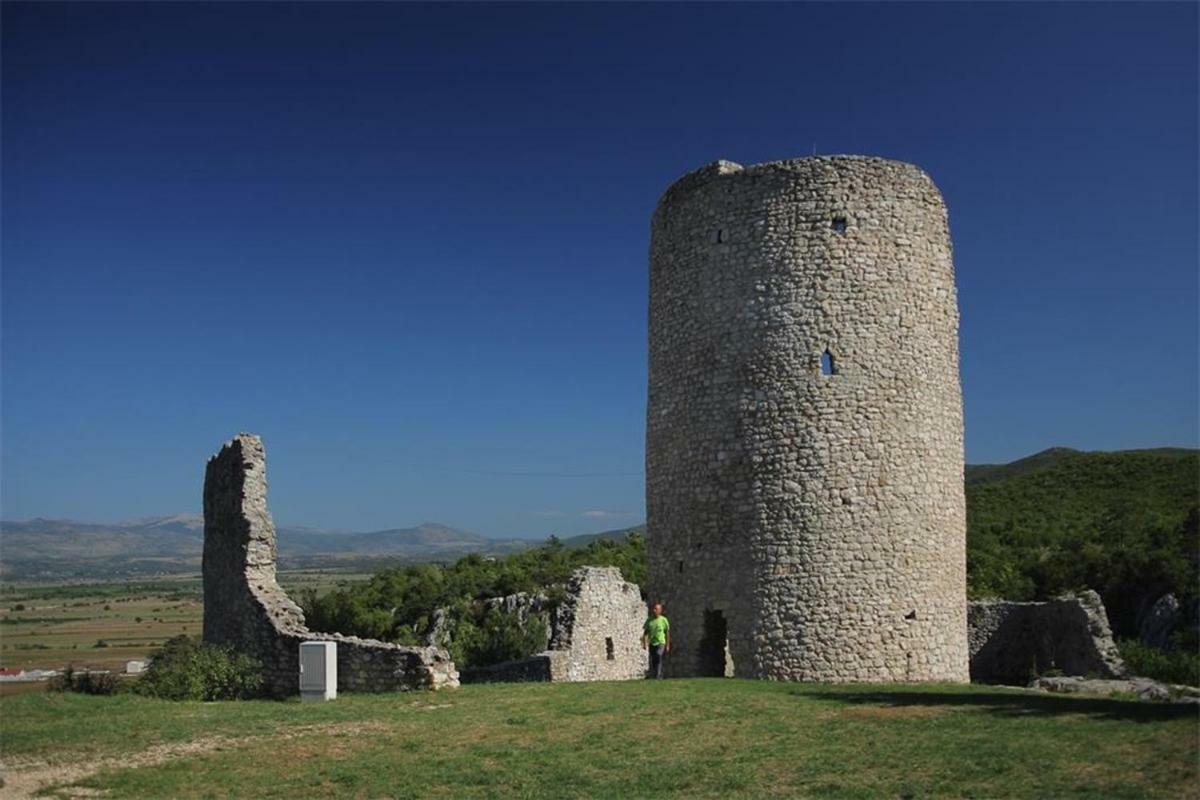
[[1124, 524]]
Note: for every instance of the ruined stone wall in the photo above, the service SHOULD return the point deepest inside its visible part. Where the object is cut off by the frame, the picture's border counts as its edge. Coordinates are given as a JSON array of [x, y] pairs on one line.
[[600, 627], [595, 633], [1011, 642], [245, 608], [813, 524]]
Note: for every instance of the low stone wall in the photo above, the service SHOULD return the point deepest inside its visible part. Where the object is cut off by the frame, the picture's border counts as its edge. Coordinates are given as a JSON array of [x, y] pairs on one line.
[[1141, 688], [548, 666], [1011, 642], [245, 608]]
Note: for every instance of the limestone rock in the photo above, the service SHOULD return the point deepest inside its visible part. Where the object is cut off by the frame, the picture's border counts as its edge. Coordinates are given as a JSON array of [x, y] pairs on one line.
[[1159, 622], [438, 634], [526, 607], [1142, 688]]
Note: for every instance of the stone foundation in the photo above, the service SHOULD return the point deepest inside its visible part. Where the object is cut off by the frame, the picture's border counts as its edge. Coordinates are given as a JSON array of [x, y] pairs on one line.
[[246, 609]]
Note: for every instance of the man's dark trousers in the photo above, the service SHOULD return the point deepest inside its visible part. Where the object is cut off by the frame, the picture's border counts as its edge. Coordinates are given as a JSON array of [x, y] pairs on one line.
[[656, 659]]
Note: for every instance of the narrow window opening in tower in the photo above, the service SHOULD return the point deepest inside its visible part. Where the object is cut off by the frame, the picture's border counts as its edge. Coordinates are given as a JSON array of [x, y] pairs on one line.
[[839, 224], [720, 235], [681, 567], [828, 365], [608, 649]]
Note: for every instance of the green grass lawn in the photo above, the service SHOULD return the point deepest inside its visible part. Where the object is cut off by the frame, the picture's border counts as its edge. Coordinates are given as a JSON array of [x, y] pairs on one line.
[[693, 738]]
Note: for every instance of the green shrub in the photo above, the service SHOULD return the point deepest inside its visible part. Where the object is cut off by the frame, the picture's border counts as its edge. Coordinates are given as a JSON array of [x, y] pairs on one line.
[[1169, 666], [186, 669], [85, 682], [498, 637]]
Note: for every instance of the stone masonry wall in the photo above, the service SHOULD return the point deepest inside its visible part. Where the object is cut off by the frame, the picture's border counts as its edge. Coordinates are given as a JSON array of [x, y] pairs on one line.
[[600, 627], [812, 523], [1010, 642], [245, 608], [596, 635]]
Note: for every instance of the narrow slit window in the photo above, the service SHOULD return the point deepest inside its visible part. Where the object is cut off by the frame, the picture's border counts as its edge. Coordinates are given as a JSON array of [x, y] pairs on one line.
[[828, 365], [839, 224], [681, 566], [608, 649]]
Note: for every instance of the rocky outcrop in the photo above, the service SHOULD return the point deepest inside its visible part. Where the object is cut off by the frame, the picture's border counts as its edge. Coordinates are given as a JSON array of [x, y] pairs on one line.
[[1159, 622], [440, 626], [595, 633], [1013, 642], [245, 608], [525, 607], [522, 606]]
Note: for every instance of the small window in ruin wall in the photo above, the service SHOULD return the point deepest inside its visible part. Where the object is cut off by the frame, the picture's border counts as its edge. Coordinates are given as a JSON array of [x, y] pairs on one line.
[[828, 365], [839, 224], [608, 649]]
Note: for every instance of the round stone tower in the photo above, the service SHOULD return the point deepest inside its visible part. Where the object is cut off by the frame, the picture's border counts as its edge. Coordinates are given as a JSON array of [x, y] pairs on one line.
[[804, 445]]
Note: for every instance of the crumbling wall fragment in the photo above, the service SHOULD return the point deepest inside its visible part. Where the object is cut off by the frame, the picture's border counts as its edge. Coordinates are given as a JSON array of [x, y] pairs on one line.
[[246, 609]]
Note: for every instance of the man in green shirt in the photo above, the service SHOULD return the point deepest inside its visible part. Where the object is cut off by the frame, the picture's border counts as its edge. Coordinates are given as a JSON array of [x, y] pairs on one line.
[[657, 636]]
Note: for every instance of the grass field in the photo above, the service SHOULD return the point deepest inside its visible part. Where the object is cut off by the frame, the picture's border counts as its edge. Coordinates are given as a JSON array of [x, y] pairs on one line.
[[100, 626], [103, 625], [693, 738]]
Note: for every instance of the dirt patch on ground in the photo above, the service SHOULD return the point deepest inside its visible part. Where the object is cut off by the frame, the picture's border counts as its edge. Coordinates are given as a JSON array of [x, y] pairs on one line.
[[23, 780]]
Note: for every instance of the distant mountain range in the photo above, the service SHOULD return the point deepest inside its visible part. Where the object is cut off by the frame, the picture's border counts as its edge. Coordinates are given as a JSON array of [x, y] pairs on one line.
[[55, 549]]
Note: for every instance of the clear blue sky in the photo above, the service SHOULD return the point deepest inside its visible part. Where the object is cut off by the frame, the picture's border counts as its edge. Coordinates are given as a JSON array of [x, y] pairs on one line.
[[407, 244]]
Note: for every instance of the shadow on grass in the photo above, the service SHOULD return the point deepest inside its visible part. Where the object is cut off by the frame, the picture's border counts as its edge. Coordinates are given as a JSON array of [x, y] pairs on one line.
[[1014, 704]]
